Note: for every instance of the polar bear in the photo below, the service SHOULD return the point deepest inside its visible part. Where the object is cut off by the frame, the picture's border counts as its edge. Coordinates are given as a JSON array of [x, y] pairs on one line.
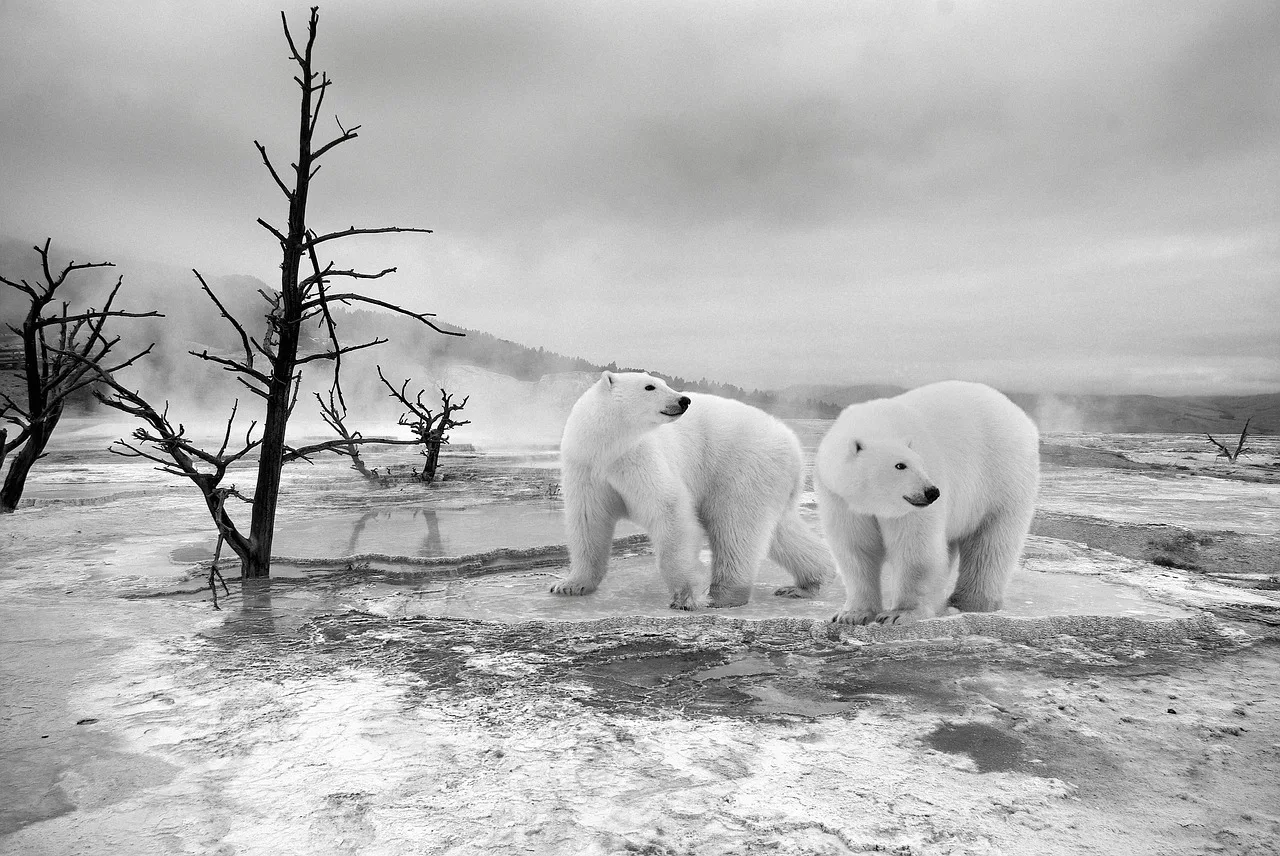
[[910, 485], [678, 465]]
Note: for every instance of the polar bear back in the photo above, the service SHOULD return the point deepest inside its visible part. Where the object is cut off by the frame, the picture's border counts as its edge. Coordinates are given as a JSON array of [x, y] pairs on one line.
[[719, 442]]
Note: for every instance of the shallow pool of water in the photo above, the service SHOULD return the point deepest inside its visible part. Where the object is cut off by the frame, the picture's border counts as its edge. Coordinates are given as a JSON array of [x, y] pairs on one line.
[[633, 587], [421, 530]]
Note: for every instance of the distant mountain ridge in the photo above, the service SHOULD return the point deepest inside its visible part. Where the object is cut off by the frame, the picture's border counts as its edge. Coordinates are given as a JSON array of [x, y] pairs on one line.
[[1120, 414], [412, 343], [1220, 414], [192, 323]]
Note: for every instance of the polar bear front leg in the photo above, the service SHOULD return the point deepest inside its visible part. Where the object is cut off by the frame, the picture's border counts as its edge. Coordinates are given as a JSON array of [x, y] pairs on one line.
[[591, 512], [860, 570], [917, 551], [677, 540], [858, 547]]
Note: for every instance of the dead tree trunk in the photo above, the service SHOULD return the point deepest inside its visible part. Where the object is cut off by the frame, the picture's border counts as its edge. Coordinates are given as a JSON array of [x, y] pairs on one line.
[[302, 297], [431, 429], [1240, 449], [15, 481]]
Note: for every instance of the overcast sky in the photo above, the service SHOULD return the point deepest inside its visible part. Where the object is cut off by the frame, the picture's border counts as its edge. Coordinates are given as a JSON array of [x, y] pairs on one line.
[[1071, 196]]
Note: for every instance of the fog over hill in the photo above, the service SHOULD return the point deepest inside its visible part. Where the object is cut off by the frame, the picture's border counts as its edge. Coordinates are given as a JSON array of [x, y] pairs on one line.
[[1109, 413], [516, 390]]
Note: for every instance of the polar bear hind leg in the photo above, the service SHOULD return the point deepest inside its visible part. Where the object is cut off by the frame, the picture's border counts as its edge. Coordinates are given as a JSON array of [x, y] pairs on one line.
[[988, 557], [806, 558], [736, 554]]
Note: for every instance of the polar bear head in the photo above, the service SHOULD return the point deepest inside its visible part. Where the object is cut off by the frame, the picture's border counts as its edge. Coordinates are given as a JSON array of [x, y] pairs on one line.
[[616, 410], [640, 401], [879, 476]]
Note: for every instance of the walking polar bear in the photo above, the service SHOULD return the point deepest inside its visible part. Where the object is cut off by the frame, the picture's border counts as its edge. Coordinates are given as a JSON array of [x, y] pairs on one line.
[[910, 486], [635, 448]]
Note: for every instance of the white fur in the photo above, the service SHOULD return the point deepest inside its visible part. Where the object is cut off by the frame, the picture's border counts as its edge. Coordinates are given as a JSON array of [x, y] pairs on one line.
[[728, 467], [982, 454]]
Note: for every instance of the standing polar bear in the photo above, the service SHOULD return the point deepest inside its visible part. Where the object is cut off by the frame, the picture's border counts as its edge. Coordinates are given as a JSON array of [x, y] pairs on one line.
[[631, 450], [908, 485]]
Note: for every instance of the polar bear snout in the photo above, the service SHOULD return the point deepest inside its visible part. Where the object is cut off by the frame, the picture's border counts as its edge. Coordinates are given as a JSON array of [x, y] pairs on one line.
[[926, 497], [678, 409]]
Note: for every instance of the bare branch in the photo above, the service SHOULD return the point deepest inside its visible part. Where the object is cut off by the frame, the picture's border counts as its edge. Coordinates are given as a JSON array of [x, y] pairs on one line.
[[244, 337], [231, 365], [11, 405], [23, 286], [1223, 449], [273, 230], [63, 320], [284, 188], [329, 273], [336, 354], [8, 446], [258, 392], [360, 298], [339, 446], [315, 108], [289, 38], [337, 141], [1240, 449], [97, 362], [55, 282], [322, 305], [1230, 455], [352, 230]]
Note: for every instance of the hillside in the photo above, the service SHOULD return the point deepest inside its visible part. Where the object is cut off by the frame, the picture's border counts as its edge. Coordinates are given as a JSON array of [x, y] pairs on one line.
[[415, 348], [424, 355], [1120, 414]]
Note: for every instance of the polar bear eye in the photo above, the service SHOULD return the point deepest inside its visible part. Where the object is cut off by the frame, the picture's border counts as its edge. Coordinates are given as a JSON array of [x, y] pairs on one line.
[[650, 388], [899, 466]]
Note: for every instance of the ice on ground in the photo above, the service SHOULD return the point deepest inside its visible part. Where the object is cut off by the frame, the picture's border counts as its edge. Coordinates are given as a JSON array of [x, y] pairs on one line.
[[1060, 582], [1193, 502], [424, 705]]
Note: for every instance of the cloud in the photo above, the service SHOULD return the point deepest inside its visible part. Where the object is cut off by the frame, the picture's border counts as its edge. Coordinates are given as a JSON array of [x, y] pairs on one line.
[[767, 192]]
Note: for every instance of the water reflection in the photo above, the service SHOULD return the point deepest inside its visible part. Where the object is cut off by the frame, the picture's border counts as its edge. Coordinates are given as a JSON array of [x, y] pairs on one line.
[[432, 544], [256, 614]]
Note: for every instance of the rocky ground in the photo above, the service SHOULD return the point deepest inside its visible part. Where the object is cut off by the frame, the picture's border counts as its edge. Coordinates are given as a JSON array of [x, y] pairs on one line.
[[139, 720]]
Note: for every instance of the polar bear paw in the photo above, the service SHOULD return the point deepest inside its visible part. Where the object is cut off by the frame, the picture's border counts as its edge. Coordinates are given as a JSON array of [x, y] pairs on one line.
[[724, 597], [687, 600], [797, 591], [854, 616], [975, 603], [903, 616], [572, 587]]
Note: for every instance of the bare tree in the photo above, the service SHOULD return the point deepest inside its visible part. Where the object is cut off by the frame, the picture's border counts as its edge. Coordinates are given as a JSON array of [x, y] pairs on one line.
[[334, 414], [1240, 449], [60, 351], [272, 368], [430, 428]]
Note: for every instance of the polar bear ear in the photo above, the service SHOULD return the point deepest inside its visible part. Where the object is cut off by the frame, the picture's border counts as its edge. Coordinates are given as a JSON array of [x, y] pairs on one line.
[[857, 447], [607, 377]]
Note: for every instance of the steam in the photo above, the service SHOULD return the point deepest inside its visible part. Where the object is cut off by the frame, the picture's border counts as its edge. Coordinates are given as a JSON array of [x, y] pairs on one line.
[[1055, 415]]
